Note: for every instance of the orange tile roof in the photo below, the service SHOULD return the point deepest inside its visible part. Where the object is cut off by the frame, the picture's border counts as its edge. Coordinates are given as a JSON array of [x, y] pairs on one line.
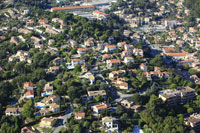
[[115, 61], [176, 54], [101, 106], [168, 50], [27, 84], [82, 49], [80, 114], [30, 92], [110, 46], [98, 12], [106, 55], [76, 60], [184, 61], [71, 7]]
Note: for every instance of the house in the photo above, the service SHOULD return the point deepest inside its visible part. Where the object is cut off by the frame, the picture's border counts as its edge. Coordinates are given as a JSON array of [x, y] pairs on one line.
[[91, 77], [48, 122], [115, 74], [112, 62], [53, 69], [121, 84], [106, 56], [57, 20], [47, 90], [13, 111], [29, 94], [36, 40], [138, 52], [43, 21], [58, 60], [127, 104], [89, 42], [14, 40], [79, 115], [82, 51], [52, 99], [110, 124], [170, 23], [98, 108], [54, 107], [128, 60], [110, 48], [93, 94], [24, 31], [28, 84], [125, 53], [143, 67], [193, 121], [44, 111], [28, 130], [129, 47], [100, 15], [75, 62], [121, 44], [73, 43]]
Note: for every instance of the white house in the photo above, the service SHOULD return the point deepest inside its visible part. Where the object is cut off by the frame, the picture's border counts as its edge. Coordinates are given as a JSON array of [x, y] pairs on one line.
[[75, 62], [143, 67], [110, 124], [128, 59], [79, 115], [110, 48], [13, 111]]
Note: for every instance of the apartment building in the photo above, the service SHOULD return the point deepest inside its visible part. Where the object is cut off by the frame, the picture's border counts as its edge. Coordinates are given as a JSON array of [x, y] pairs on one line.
[[87, 8], [179, 95]]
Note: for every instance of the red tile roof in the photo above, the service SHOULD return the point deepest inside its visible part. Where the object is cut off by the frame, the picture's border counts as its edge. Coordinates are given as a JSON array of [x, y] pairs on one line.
[[98, 12], [71, 7]]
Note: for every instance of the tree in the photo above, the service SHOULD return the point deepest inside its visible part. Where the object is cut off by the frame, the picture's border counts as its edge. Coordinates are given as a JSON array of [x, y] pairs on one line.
[[77, 68], [28, 109], [157, 61]]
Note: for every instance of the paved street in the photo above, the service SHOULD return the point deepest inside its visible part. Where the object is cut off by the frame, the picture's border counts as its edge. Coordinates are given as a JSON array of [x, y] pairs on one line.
[[61, 121]]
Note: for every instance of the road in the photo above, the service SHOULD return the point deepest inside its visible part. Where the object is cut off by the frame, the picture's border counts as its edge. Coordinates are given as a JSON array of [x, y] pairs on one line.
[[61, 121]]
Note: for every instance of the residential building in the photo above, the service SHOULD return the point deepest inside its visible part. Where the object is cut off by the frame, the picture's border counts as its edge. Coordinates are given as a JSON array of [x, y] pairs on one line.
[[87, 8], [48, 122], [110, 48], [79, 115], [98, 108], [75, 62], [106, 56], [13, 111], [179, 95], [138, 52], [128, 60], [89, 42], [29, 94], [29, 130], [110, 124], [100, 15], [47, 90], [125, 53], [193, 121], [112, 62], [143, 67], [93, 94], [82, 51], [53, 69], [116, 74]]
